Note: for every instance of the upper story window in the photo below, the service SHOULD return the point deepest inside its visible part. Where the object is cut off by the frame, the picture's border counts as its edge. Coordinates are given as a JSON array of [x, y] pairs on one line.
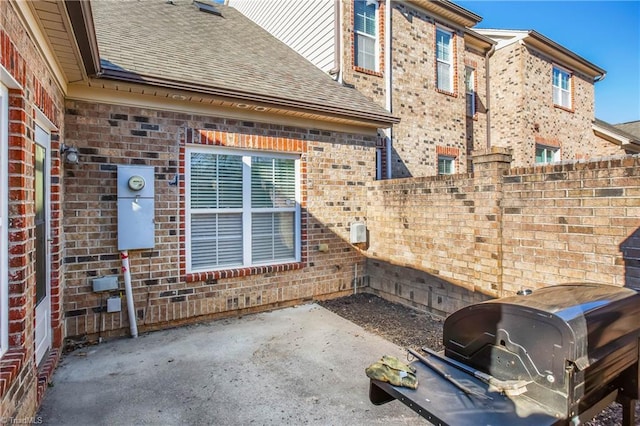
[[470, 89], [242, 209], [366, 37], [561, 88], [547, 154], [446, 165], [444, 60]]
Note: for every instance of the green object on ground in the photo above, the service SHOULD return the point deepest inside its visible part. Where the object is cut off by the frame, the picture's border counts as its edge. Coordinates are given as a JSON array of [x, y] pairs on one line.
[[391, 370]]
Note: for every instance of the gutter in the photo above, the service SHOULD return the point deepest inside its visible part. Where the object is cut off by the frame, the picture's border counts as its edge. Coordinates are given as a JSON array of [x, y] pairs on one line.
[[487, 78], [388, 81], [380, 118]]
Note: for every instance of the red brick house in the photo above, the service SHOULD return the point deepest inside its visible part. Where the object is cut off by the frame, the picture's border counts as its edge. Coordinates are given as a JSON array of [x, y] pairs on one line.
[[543, 101], [457, 88], [255, 162], [419, 59]]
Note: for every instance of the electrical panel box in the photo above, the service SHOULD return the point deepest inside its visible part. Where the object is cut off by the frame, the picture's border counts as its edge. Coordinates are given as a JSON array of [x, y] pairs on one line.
[[136, 207], [358, 233]]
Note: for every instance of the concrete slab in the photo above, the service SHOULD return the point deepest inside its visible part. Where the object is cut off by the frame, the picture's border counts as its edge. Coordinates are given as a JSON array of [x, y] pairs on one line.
[[301, 365]]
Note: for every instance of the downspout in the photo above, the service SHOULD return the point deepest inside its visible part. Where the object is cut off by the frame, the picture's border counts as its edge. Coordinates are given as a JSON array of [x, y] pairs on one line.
[[336, 71], [131, 310], [488, 91], [387, 79]]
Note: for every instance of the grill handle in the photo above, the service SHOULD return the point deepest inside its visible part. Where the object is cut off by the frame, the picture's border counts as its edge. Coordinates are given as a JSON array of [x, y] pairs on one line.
[[507, 387]]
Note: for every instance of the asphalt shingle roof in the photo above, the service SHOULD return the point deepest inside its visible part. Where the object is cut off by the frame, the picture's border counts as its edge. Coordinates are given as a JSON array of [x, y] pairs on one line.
[[173, 41], [632, 127]]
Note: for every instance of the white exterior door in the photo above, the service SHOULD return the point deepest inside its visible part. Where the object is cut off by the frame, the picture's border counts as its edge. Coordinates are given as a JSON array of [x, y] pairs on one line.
[[43, 283]]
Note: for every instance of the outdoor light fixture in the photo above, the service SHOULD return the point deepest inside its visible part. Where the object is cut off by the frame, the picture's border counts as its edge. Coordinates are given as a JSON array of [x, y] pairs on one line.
[[70, 154]]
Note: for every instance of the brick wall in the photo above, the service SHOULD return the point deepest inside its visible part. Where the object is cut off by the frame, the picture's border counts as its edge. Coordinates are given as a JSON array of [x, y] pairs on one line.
[[335, 167], [439, 243], [429, 118], [19, 377]]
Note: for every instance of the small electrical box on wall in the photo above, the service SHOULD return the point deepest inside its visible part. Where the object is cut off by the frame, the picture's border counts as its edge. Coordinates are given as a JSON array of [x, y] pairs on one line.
[[358, 233], [136, 207]]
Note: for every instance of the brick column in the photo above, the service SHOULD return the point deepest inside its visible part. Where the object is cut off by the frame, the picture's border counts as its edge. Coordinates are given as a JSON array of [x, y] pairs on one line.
[[488, 168], [492, 161]]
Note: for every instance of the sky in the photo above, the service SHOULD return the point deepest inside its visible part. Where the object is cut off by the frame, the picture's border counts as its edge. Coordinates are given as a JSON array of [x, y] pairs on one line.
[[605, 33]]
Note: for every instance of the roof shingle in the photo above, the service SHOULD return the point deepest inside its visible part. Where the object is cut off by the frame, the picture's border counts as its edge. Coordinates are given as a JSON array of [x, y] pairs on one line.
[[173, 41]]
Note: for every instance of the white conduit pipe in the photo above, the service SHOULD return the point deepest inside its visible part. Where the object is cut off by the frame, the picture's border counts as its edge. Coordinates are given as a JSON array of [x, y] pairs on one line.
[[388, 80], [131, 310]]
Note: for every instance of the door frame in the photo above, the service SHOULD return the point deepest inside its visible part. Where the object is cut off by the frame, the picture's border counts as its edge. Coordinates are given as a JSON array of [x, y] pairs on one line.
[[4, 221], [43, 308]]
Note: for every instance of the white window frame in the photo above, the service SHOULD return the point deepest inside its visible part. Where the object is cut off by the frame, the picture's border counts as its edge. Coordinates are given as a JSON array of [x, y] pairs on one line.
[[443, 61], [546, 150], [4, 224], [373, 37], [450, 160], [246, 209], [558, 90], [470, 76]]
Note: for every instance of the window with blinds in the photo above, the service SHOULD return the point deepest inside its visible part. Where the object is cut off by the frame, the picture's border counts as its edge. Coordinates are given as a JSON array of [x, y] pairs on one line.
[[561, 88], [444, 60], [365, 38], [243, 209]]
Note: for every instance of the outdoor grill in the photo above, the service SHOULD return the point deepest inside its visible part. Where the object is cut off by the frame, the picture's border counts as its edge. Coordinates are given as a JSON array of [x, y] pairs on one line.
[[557, 356]]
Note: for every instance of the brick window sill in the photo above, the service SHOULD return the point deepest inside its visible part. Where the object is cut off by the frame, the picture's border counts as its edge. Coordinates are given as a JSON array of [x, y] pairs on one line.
[[445, 92], [10, 365], [242, 272], [571, 110], [367, 71]]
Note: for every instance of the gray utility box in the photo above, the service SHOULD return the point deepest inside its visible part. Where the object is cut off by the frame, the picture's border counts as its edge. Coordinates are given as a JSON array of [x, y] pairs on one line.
[[136, 207], [105, 283]]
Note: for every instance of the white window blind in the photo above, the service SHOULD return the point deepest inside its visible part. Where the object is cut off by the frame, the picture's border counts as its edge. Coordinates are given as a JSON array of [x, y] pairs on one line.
[[561, 88], [273, 203], [365, 38], [243, 209], [444, 53]]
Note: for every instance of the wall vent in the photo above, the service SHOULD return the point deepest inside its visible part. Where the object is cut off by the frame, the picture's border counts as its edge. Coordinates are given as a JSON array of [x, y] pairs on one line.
[[358, 233]]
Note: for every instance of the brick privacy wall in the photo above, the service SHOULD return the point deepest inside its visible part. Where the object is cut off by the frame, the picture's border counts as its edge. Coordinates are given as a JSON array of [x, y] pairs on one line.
[[523, 112], [337, 167], [423, 127], [19, 376], [446, 227], [572, 222], [440, 243]]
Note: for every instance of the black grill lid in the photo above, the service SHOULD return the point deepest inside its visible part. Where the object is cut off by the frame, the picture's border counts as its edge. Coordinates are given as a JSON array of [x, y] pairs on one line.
[[574, 322]]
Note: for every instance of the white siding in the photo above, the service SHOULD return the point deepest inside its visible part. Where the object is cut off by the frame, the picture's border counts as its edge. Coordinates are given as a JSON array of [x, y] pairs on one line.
[[308, 27]]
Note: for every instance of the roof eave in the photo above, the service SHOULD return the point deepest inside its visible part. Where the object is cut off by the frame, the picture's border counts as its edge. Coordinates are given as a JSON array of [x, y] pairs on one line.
[[379, 120], [545, 44], [449, 10], [613, 135], [478, 40]]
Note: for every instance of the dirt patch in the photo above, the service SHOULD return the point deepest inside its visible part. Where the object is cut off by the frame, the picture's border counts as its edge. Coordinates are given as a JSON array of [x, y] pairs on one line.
[[409, 328]]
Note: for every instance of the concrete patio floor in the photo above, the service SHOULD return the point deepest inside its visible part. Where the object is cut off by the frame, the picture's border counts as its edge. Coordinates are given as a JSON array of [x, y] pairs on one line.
[[301, 365]]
